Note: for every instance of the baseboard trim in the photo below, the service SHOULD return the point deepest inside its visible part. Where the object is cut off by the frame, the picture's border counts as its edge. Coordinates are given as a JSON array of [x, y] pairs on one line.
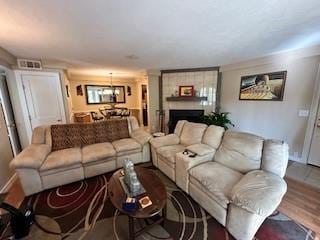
[[296, 159], [8, 185]]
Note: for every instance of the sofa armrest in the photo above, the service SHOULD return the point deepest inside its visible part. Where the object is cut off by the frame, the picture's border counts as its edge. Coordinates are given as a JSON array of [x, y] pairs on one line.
[[201, 149], [259, 192], [275, 157], [31, 157], [141, 136], [171, 139]]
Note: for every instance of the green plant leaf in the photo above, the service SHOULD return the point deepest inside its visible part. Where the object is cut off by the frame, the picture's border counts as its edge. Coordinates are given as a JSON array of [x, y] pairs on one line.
[[218, 119]]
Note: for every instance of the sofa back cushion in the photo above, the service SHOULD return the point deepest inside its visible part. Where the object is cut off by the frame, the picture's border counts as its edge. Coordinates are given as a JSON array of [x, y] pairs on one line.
[[81, 134], [179, 127], [133, 124], [39, 135], [240, 151], [192, 133], [65, 136], [275, 157], [116, 129], [213, 136]]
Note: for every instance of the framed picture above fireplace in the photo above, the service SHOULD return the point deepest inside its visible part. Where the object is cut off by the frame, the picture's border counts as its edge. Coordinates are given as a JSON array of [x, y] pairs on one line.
[[186, 91]]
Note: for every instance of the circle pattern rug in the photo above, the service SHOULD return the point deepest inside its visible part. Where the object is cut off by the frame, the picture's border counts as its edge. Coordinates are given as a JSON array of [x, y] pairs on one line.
[[82, 210]]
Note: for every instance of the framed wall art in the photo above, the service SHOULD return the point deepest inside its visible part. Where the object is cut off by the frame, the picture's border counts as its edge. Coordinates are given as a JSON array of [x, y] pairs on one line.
[[263, 87], [186, 91]]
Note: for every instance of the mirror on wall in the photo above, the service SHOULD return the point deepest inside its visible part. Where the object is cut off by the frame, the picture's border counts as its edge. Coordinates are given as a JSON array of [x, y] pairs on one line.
[[100, 94]]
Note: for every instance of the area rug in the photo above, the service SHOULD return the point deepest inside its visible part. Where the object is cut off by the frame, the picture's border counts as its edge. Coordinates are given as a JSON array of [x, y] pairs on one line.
[[82, 210]]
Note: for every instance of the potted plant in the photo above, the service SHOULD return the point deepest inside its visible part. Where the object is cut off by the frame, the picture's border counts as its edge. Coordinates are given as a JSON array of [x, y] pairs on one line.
[[219, 119]]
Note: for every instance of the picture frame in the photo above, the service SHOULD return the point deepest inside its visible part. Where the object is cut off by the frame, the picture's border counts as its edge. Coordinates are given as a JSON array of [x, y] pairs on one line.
[[263, 86], [186, 91]]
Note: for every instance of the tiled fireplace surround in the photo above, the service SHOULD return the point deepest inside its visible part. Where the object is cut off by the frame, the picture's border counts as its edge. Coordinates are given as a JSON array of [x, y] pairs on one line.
[[204, 82]]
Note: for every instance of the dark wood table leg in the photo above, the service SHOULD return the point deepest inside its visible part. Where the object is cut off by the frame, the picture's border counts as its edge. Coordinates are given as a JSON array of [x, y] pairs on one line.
[[131, 228]]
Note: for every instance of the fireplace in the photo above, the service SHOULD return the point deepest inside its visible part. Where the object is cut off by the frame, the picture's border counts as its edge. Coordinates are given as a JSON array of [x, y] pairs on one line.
[[183, 114]]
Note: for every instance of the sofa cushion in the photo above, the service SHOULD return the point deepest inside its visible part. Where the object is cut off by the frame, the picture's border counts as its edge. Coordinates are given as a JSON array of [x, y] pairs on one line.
[[141, 136], [201, 149], [101, 132], [31, 157], [62, 158], [179, 127], [275, 157], [48, 136], [126, 146], [96, 152], [192, 133], [213, 136], [80, 134], [87, 134], [132, 123], [259, 192], [170, 139], [111, 130], [39, 135], [65, 136], [117, 129], [216, 180], [169, 152], [240, 151]]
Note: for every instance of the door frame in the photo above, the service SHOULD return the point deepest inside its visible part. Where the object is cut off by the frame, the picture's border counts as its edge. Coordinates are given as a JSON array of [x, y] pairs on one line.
[[141, 105], [312, 119], [23, 101]]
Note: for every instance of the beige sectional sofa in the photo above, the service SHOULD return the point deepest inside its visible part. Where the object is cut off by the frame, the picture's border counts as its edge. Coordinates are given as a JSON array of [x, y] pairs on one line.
[[237, 177], [65, 153]]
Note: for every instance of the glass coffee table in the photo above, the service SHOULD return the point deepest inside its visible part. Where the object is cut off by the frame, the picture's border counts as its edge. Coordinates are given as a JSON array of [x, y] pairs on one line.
[[155, 190]]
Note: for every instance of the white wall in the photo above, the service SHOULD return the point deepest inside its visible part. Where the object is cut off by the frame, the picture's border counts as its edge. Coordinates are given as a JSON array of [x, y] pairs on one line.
[[272, 119]]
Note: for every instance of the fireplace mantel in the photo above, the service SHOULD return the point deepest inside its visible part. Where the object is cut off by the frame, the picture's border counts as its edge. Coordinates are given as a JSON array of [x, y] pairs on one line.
[[184, 99]]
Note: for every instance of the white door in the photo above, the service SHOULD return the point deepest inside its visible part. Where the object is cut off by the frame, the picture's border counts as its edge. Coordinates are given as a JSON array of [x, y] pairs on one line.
[[44, 99], [314, 156]]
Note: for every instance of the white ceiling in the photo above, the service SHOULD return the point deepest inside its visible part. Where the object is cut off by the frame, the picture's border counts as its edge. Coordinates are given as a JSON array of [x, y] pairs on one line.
[[97, 36]]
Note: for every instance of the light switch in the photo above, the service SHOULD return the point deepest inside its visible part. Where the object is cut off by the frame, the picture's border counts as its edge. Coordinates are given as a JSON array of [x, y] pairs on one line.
[[303, 113]]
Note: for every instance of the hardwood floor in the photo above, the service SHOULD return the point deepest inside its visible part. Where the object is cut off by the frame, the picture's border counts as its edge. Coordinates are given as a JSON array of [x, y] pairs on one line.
[[15, 195], [301, 203]]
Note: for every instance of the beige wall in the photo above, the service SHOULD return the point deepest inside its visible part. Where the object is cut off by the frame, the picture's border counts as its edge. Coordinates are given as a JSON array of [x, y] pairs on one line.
[[272, 119], [153, 99], [65, 83], [143, 80], [79, 103], [6, 58]]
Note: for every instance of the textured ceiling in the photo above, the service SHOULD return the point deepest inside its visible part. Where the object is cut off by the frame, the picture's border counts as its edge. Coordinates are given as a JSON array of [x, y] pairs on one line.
[[99, 36]]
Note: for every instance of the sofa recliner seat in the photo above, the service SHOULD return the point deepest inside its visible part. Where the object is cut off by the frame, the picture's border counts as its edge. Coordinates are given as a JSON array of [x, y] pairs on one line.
[[126, 146], [97, 152], [237, 177], [65, 153], [216, 180]]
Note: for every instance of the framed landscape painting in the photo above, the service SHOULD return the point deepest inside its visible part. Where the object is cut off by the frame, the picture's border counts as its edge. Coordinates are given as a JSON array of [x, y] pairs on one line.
[[263, 87]]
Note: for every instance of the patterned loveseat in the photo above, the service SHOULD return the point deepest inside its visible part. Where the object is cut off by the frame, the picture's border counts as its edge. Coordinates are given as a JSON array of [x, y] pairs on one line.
[[65, 153]]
